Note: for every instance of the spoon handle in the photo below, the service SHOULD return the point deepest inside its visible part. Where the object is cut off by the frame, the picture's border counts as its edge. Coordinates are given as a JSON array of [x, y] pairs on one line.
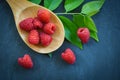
[[18, 6]]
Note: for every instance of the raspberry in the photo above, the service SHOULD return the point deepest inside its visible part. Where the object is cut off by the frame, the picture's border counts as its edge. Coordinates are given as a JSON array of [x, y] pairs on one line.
[[25, 61], [37, 23], [45, 39], [26, 24], [49, 28], [33, 37], [68, 56], [83, 34], [43, 15]]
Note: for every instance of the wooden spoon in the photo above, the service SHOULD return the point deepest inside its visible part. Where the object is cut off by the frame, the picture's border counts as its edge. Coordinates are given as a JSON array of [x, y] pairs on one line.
[[24, 9]]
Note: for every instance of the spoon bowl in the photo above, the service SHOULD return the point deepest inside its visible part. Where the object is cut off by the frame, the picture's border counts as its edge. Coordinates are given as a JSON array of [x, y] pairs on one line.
[[23, 9]]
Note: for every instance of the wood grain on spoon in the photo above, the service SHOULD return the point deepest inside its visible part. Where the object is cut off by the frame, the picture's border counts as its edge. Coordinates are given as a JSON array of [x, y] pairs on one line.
[[24, 9]]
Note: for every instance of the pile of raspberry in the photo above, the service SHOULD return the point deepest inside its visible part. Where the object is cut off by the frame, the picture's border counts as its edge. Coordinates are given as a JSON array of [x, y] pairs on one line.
[[40, 28]]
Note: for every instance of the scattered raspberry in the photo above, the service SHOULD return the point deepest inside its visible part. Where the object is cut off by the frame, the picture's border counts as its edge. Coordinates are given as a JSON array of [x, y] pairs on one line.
[[43, 15], [49, 28], [68, 56], [33, 37], [26, 24], [83, 34], [45, 39], [37, 23], [25, 61]]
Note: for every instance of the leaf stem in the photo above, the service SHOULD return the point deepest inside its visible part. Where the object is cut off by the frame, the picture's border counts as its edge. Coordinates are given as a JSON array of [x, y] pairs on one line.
[[66, 13]]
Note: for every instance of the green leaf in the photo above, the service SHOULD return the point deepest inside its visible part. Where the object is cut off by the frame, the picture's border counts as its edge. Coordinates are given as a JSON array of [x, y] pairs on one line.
[[86, 21], [94, 36], [35, 1], [93, 7], [72, 4], [71, 31], [79, 20], [90, 23], [50, 55], [52, 4]]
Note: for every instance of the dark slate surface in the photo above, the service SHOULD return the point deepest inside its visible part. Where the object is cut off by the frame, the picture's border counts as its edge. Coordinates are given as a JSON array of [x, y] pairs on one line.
[[98, 61]]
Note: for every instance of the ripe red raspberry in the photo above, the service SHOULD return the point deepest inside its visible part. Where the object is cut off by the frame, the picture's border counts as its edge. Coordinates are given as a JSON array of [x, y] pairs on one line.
[[33, 37], [43, 15], [68, 56], [83, 34], [25, 61], [26, 24], [37, 23], [45, 39], [49, 28]]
